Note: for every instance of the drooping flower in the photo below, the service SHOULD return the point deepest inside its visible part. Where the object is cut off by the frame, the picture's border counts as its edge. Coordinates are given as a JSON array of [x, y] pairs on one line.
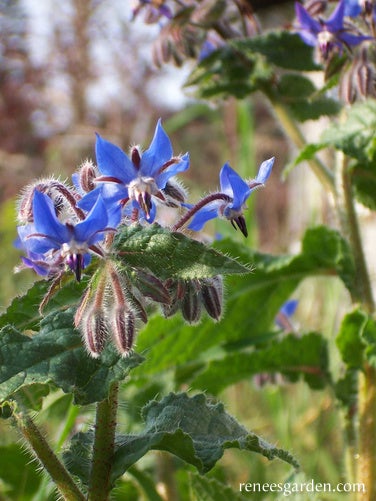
[[138, 179], [229, 203], [327, 34], [49, 242]]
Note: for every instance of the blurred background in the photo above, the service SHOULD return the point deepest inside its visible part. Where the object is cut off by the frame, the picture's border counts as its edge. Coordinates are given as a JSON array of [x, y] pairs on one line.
[[70, 69]]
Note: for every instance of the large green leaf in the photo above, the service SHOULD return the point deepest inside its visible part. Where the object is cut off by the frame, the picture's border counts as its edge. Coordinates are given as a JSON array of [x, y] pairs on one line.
[[252, 301], [282, 48], [191, 428], [293, 356], [172, 254], [56, 354]]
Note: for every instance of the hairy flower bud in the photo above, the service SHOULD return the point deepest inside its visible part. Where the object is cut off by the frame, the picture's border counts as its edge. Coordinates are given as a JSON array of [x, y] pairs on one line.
[[94, 330], [86, 176], [212, 296], [191, 303], [123, 329]]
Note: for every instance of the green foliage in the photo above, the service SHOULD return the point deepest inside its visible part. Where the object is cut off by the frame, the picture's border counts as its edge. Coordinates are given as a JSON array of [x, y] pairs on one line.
[[210, 489], [171, 255], [292, 356], [349, 339], [354, 135], [18, 473], [189, 427], [280, 48], [252, 304], [56, 355]]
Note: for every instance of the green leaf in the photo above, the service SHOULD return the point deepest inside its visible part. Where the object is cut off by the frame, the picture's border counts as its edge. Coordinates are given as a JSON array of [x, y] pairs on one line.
[[23, 312], [307, 153], [282, 48], [293, 356], [210, 489], [31, 396], [252, 302], [192, 429], [171, 254], [19, 474], [355, 135], [349, 339], [56, 354], [346, 388]]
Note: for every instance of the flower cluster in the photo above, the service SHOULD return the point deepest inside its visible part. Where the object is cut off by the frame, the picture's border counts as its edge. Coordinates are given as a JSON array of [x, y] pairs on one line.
[[62, 227]]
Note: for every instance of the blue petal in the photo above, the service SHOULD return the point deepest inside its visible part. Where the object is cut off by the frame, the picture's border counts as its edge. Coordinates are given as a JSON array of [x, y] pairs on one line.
[[234, 186], [265, 170], [158, 153], [306, 21], [289, 307], [45, 220], [172, 170], [96, 221], [352, 8], [350, 39], [112, 161], [110, 192], [335, 21], [201, 217]]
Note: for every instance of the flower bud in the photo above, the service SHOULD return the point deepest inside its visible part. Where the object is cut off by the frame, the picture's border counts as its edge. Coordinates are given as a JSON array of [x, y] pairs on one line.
[[123, 329], [87, 175], [150, 286], [94, 330], [212, 296], [191, 303]]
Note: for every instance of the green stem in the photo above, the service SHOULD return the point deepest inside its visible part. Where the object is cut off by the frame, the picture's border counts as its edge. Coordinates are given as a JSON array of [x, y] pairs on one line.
[[350, 227], [293, 132], [49, 460], [366, 458], [104, 445]]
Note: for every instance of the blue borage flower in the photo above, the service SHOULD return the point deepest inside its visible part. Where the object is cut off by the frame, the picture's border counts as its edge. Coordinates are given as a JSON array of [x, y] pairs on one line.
[[138, 180], [354, 8], [49, 243], [327, 34], [230, 201]]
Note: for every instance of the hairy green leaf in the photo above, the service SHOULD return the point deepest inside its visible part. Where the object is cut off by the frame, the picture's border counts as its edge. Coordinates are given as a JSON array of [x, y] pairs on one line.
[[282, 48], [172, 255], [292, 356], [191, 428], [56, 354], [17, 473]]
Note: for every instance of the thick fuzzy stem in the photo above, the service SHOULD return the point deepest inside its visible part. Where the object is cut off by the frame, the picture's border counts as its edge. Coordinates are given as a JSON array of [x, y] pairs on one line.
[[103, 448]]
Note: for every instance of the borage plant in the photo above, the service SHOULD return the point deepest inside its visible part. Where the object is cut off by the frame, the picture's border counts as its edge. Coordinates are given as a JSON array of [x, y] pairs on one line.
[[116, 251]]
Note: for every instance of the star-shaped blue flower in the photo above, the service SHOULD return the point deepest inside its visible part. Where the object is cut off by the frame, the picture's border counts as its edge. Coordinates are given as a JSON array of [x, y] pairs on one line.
[[327, 34], [137, 179], [230, 201], [47, 237]]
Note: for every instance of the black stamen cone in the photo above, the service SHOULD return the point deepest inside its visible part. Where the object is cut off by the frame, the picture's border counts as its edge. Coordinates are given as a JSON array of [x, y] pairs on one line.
[[241, 224]]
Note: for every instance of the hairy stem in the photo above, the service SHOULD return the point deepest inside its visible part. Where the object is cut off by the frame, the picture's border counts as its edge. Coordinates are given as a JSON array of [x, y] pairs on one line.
[[366, 464], [205, 201], [103, 448], [49, 460]]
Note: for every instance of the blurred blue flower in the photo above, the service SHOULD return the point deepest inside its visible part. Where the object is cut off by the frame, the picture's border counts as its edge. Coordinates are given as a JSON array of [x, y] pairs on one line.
[[327, 34], [137, 179], [230, 201], [285, 313], [49, 240]]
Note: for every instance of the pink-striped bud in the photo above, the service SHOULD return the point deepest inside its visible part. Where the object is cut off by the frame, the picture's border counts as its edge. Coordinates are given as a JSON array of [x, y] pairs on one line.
[[212, 296], [94, 331], [123, 329]]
